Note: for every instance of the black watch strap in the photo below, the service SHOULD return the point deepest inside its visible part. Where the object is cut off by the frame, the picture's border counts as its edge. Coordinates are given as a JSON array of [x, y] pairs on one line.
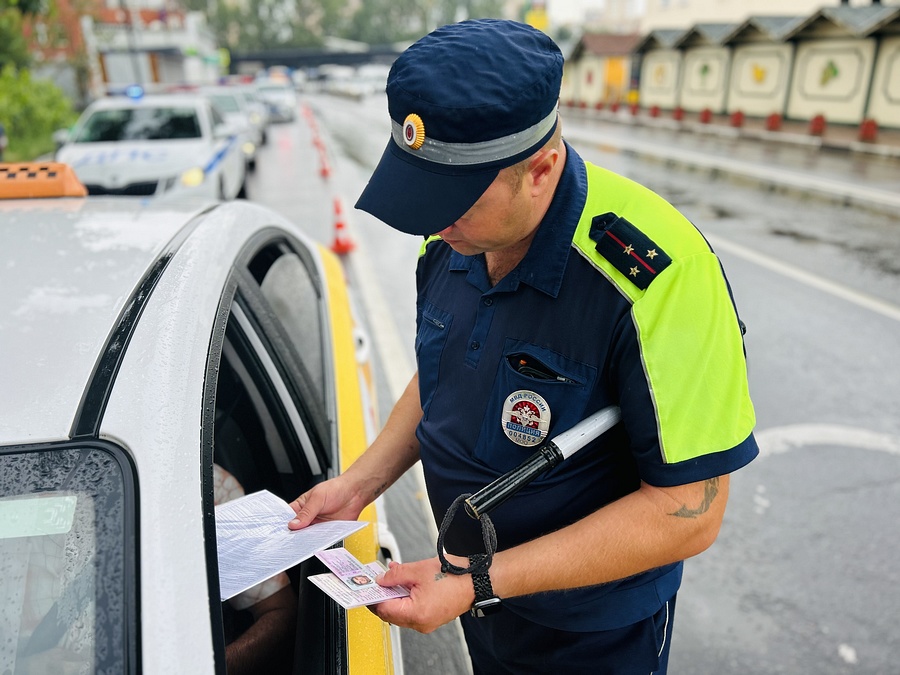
[[485, 600]]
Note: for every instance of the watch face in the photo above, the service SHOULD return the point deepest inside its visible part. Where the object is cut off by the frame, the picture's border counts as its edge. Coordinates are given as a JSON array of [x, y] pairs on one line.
[[484, 607]]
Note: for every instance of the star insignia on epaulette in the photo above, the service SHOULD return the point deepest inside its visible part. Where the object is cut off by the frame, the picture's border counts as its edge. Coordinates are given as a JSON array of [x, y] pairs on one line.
[[614, 236]]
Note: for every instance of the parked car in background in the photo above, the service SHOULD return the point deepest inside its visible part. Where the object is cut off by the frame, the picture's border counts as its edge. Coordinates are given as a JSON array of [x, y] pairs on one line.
[[145, 342], [242, 117], [156, 145], [257, 107], [281, 98]]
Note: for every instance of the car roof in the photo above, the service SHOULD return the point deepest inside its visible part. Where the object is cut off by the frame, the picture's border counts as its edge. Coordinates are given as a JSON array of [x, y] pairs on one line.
[[149, 101], [274, 84], [69, 266], [220, 89]]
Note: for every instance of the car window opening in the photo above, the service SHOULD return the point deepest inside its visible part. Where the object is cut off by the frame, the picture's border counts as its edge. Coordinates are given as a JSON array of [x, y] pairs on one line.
[[252, 437], [271, 421], [253, 432]]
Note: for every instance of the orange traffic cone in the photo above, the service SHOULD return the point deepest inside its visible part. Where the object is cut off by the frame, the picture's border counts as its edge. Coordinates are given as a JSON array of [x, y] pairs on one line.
[[325, 168], [342, 242]]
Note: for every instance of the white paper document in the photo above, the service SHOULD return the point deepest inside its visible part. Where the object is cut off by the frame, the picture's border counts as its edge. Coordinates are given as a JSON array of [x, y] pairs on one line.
[[254, 542]]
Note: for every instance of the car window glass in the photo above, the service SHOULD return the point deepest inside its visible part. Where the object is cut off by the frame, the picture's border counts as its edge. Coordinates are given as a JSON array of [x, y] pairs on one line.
[[216, 116], [63, 578], [225, 102], [131, 124], [260, 436], [294, 298]]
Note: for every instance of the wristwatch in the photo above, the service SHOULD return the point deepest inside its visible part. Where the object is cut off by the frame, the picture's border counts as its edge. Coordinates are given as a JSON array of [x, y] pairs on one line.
[[485, 601]]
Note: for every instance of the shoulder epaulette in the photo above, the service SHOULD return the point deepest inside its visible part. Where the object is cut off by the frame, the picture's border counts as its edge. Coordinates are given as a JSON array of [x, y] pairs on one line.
[[628, 249]]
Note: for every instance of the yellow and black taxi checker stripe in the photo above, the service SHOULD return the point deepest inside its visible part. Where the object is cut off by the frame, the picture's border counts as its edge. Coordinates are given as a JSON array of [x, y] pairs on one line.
[[629, 250]]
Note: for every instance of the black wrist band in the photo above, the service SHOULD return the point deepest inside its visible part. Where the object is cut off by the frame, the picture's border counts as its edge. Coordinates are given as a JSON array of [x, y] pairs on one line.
[[485, 601]]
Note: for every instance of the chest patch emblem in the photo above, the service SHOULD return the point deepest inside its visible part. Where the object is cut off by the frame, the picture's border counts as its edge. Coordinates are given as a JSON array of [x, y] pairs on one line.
[[525, 418]]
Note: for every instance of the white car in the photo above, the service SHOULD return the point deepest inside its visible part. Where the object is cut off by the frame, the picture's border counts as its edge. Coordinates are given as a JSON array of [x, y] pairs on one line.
[[156, 145], [241, 115], [146, 343], [280, 97], [258, 109]]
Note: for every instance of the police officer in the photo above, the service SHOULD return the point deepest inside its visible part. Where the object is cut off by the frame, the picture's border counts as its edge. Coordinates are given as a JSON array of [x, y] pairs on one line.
[[548, 289]]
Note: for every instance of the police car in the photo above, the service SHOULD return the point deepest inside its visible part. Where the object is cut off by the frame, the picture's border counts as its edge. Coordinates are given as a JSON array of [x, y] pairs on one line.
[[280, 97], [156, 145], [239, 112], [259, 111], [144, 344]]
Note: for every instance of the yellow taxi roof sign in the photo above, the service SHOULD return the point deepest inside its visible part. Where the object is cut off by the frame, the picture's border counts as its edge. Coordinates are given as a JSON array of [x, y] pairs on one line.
[[29, 180]]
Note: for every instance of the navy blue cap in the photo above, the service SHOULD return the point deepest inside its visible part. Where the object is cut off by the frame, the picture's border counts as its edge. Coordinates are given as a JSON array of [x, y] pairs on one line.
[[465, 101]]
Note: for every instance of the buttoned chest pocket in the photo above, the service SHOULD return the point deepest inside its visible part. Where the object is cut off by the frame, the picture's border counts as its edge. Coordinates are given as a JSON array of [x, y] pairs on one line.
[[537, 394], [431, 337]]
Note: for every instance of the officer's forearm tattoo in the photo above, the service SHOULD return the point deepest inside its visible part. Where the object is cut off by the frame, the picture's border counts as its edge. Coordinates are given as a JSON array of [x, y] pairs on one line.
[[711, 489]]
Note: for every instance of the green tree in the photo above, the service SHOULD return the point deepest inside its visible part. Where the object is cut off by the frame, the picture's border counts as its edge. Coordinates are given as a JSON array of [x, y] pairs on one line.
[[332, 15], [13, 48], [271, 24], [26, 7], [386, 21], [450, 12], [31, 110], [266, 24]]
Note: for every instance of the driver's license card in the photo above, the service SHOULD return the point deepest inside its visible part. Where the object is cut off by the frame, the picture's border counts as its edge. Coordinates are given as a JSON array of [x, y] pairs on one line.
[[350, 583]]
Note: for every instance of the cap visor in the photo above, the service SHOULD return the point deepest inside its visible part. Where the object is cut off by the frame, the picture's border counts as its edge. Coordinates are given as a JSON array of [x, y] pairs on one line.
[[416, 200]]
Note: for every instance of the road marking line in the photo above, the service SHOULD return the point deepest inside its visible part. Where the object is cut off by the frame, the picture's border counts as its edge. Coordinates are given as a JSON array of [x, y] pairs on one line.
[[856, 297], [779, 440]]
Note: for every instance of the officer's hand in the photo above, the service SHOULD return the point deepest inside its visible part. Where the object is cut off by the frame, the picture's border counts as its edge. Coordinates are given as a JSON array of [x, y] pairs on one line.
[[434, 598], [335, 499]]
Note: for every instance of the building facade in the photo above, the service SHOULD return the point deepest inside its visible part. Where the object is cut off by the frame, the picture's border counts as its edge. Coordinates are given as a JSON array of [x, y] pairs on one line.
[[685, 13], [839, 63], [93, 45]]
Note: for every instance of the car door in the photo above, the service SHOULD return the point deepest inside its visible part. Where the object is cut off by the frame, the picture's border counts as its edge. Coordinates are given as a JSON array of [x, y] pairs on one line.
[[228, 158], [273, 423]]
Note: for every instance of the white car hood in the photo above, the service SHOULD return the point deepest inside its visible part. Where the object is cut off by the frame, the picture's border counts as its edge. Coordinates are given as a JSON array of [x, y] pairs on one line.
[[117, 164]]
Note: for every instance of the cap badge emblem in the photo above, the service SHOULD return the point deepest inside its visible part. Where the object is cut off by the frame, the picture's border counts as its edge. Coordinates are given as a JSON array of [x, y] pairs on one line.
[[414, 131], [525, 418]]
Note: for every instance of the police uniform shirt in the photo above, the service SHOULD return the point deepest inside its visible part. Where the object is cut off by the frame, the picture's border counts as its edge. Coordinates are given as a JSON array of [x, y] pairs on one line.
[[571, 330]]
